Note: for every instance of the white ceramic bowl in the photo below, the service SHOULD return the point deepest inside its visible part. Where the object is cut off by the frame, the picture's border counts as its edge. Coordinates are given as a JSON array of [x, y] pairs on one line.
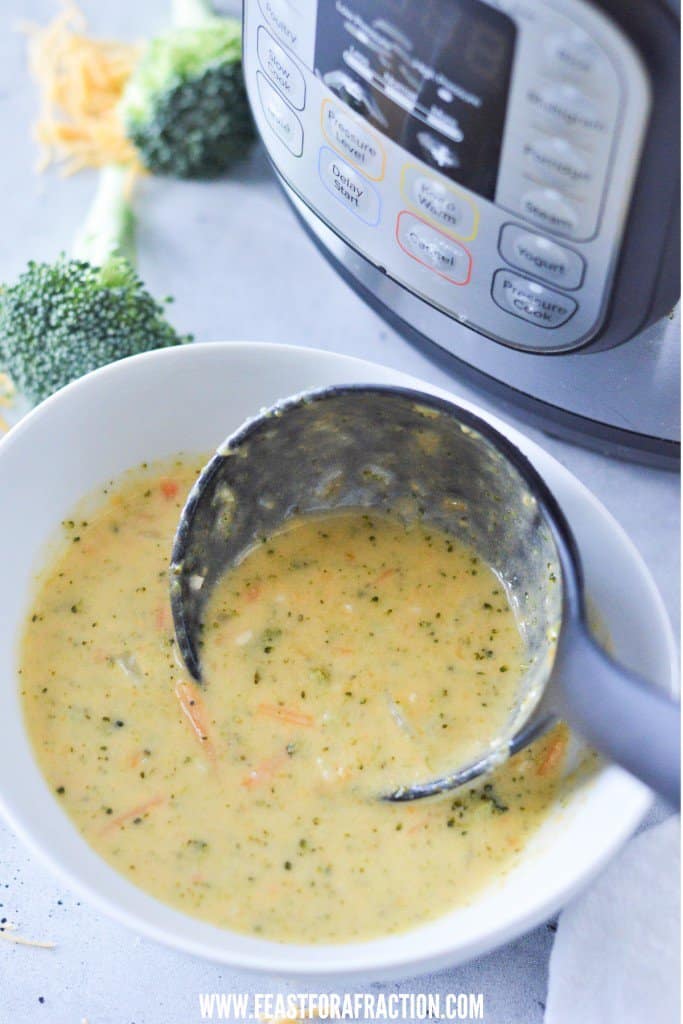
[[189, 399]]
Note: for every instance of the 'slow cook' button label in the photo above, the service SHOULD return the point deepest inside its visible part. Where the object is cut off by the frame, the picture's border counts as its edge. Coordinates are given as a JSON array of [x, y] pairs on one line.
[[348, 186], [531, 301], [280, 117], [433, 249], [350, 138], [281, 69]]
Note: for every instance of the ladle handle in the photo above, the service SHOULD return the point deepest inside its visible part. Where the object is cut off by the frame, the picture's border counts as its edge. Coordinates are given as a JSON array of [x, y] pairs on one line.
[[624, 717]]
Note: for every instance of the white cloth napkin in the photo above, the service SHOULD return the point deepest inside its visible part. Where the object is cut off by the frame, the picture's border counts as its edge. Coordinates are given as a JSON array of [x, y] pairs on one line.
[[616, 957]]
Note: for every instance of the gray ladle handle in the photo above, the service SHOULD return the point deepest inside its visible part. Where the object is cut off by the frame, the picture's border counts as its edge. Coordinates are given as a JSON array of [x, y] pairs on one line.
[[623, 716]]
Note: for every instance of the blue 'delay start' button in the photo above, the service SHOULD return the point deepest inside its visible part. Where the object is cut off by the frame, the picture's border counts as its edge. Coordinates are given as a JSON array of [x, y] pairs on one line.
[[350, 187]]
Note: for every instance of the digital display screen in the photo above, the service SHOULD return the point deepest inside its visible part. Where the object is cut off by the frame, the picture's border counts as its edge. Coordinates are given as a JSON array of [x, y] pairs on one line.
[[433, 75]]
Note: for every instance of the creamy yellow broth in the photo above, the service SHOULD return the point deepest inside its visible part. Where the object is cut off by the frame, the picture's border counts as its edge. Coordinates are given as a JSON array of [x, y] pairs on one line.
[[341, 656], [389, 649]]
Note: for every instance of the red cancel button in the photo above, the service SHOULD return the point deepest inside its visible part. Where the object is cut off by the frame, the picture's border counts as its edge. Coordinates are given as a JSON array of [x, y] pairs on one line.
[[433, 249]]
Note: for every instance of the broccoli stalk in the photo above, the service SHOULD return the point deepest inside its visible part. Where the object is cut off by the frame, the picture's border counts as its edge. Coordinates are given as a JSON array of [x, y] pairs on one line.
[[192, 13], [60, 320], [185, 107], [109, 227]]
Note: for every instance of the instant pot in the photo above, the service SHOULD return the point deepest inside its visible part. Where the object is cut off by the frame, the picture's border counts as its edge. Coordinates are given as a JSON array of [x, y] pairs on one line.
[[500, 179]]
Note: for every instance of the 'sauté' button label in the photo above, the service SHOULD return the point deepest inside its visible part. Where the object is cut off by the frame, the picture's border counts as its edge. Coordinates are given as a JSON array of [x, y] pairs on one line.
[[280, 117]]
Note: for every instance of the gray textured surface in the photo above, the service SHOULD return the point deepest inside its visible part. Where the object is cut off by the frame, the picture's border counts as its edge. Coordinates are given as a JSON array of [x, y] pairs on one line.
[[239, 267]]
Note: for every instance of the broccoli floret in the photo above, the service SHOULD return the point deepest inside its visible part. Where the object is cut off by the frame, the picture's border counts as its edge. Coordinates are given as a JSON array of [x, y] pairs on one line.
[[185, 107], [63, 319]]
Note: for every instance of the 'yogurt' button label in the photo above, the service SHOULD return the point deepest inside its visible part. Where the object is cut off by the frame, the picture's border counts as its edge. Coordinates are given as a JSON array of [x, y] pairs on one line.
[[433, 249], [531, 301], [350, 138], [348, 186], [281, 118], [541, 257]]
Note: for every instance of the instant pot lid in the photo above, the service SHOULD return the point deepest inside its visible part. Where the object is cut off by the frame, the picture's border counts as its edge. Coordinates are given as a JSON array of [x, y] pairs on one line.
[[623, 402]]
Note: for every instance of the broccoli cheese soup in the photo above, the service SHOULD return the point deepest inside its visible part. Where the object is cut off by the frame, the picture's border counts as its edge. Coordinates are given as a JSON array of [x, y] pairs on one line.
[[343, 656]]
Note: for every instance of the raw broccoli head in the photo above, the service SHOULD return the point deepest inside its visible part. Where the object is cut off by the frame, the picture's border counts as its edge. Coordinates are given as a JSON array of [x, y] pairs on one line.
[[63, 319], [185, 107]]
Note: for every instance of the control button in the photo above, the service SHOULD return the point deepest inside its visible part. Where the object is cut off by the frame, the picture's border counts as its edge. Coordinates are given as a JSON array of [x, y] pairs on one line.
[[572, 53], [531, 301], [562, 105], [281, 118], [439, 203], [436, 151], [547, 207], [556, 161], [350, 138], [541, 257], [433, 249], [281, 69], [348, 186], [284, 22]]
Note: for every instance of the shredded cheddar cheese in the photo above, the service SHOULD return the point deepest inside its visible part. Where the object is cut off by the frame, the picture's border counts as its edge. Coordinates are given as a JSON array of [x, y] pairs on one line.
[[81, 81], [6, 389], [7, 932], [6, 398]]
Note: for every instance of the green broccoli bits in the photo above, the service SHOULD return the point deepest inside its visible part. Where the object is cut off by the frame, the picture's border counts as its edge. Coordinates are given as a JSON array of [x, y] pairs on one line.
[[60, 320], [185, 107]]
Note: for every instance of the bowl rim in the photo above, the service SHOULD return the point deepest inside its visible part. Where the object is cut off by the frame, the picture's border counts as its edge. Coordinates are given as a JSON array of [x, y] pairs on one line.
[[371, 960]]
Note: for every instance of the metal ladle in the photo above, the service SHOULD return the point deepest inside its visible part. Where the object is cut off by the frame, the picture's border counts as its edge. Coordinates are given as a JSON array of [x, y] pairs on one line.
[[416, 455]]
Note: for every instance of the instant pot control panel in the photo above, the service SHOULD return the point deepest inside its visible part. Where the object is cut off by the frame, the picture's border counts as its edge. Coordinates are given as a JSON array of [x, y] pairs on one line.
[[482, 154]]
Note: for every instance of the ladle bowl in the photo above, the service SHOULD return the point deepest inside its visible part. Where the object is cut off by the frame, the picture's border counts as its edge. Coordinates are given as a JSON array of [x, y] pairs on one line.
[[418, 456]]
